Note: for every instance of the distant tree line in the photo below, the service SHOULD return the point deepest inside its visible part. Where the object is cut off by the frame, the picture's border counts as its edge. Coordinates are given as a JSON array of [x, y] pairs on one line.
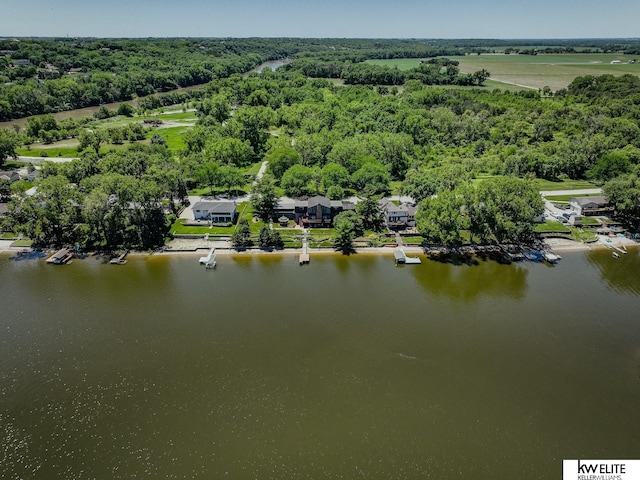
[[435, 71]]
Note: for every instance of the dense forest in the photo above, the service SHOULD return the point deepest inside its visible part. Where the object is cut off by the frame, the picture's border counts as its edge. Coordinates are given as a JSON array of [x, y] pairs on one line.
[[467, 156], [43, 76]]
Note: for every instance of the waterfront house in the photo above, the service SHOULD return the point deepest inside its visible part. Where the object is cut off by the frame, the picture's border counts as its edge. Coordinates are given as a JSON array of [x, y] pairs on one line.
[[316, 211], [590, 206], [398, 217], [215, 211]]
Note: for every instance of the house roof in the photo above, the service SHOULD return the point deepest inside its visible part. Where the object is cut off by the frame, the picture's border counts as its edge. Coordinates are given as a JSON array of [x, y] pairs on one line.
[[389, 206], [8, 174], [320, 200], [215, 207], [582, 201], [286, 204]]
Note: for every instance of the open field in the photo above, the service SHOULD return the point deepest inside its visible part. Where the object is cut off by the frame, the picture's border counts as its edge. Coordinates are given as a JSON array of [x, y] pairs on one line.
[[535, 71], [175, 124]]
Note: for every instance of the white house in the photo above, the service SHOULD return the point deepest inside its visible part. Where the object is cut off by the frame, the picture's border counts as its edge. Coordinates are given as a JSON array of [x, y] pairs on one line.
[[216, 212]]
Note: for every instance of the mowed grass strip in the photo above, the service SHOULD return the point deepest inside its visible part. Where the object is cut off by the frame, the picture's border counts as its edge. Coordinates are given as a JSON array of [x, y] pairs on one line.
[[548, 185]]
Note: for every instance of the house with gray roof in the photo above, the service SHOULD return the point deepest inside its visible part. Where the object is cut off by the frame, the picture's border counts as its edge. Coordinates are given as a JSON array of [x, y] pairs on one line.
[[590, 206], [398, 217], [316, 211], [10, 175], [215, 211]]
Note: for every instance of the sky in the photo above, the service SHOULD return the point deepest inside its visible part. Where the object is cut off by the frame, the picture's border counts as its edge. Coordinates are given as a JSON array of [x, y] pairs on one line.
[[496, 19]]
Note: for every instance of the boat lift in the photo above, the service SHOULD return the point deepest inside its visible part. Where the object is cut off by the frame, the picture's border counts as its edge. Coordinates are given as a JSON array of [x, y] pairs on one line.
[[210, 260]]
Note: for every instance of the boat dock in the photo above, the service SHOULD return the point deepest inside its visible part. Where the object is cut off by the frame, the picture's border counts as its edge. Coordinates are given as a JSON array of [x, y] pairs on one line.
[[550, 256], [401, 257], [62, 256], [210, 260], [304, 256], [610, 245], [120, 260]]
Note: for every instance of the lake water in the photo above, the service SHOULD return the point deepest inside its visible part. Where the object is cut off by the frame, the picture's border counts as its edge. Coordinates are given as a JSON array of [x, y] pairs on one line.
[[349, 367]]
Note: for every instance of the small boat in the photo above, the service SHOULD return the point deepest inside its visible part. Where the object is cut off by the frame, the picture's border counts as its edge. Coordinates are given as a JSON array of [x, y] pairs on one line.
[[616, 255]]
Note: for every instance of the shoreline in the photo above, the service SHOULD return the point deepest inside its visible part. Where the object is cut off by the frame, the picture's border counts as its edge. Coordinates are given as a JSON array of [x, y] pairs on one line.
[[196, 247]]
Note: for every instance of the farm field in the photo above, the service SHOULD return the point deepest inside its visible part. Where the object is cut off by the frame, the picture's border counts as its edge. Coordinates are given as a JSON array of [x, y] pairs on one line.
[[553, 70]]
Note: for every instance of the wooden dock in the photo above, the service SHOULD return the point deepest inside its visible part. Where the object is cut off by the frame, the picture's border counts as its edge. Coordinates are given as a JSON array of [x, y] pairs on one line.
[[304, 256], [62, 256]]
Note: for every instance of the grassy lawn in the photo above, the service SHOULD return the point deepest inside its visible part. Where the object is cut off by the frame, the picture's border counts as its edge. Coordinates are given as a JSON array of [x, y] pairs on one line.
[[22, 243], [581, 235], [551, 226], [57, 149], [548, 185], [589, 221], [172, 135], [179, 229], [567, 198]]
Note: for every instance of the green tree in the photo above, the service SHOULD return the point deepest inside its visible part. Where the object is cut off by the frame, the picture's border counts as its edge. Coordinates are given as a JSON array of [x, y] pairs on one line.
[[251, 124], [275, 239], [229, 151], [334, 175], [230, 177], [92, 139], [263, 196], [125, 109], [157, 139], [9, 141], [623, 193], [419, 184], [335, 192], [610, 165], [269, 237], [295, 180], [508, 207], [264, 237], [348, 226], [217, 107], [49, 217], [281, 159], [372, 178], [209, 174], [241, 237], [440, 219], [369, 210]]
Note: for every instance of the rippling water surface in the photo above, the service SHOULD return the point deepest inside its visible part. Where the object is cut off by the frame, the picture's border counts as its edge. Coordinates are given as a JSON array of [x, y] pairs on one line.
[[348, 368]]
